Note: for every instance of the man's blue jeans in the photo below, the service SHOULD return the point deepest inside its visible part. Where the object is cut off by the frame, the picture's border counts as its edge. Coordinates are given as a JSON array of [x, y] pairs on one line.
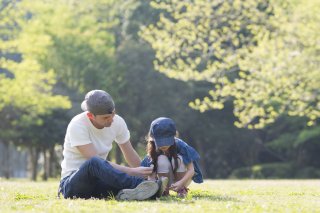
[[96, 178]]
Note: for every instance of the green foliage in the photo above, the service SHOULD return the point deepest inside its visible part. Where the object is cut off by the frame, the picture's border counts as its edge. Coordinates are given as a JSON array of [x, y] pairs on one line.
[[283, 69], [295, 138], [149, 93], [45, 42], [81, 49], [307, 172], [251, 51], [68, 47], [308, 135], [274, 171], [294, 141], [30, 88], [41, 135], [283, 141]]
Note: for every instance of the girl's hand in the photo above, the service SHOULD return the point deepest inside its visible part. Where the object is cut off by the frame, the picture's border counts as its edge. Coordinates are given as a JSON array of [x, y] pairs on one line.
[[177, 186]]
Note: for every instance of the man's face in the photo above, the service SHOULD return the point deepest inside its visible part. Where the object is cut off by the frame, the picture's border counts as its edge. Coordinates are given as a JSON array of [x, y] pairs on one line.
[[101, 121]]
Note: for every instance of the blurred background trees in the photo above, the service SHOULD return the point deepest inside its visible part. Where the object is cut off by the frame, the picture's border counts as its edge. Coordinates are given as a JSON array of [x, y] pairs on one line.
[[261, 55], [240, 78]]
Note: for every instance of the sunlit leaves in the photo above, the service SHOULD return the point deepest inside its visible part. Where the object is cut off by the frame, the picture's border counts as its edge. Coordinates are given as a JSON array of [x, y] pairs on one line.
[[29, 89], [264, 56], [79, 47]]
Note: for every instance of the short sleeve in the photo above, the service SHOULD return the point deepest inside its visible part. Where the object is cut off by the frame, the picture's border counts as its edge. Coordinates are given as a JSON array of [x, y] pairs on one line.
[[189, 154], [123, 134], [78, 134]]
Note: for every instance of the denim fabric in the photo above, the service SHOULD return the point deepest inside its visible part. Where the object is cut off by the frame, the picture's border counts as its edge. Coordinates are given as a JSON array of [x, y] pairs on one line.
[[189, 154], [98, 179]]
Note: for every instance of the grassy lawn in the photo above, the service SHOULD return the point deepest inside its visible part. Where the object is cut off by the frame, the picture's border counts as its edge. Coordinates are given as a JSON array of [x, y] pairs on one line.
[[211, 196]]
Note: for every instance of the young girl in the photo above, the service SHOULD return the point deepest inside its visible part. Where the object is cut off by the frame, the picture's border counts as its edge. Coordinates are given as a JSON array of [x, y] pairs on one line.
[[171, 157]]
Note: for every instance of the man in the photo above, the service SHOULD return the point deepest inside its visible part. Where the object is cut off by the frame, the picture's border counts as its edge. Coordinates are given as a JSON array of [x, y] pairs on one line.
[[89, 137]]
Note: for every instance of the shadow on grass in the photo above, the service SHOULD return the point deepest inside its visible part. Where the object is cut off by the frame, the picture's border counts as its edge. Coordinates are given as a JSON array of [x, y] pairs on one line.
[[200, 195], [192, 197], [214, 197]]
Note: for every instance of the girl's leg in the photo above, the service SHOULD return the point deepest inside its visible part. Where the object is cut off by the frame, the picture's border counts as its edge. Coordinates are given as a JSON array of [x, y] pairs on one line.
[[179, 174], [181, 171], [165, 170]]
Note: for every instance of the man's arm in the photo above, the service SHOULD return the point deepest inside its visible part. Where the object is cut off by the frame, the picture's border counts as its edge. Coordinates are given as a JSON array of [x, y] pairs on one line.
[[130, 154], [137, 171], [89, 151]]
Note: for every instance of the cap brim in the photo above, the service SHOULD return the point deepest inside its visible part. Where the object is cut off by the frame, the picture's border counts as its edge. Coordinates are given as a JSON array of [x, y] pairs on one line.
[[164, 141], [84, 105]]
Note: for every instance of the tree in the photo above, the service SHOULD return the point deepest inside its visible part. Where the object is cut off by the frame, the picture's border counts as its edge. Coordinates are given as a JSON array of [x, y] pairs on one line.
[[149, 94], [249, 50], [41, 140], [80, 49], [25, 85], [296, 142]]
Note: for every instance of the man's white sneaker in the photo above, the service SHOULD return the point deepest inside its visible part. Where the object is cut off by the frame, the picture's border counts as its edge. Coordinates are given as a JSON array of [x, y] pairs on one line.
[[143, 191]]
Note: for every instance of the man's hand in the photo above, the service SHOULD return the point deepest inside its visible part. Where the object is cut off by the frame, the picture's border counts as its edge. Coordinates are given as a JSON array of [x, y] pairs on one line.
[[136, 171], [141, 171]]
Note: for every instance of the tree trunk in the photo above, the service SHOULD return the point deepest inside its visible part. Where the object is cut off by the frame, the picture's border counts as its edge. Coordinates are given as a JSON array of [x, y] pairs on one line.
[[6, 161], [200, 149], [45, 165], [52, 162], [33, 162]]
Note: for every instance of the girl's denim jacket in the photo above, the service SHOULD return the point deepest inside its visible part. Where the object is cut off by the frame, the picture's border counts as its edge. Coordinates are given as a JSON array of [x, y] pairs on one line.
[[189, 154]]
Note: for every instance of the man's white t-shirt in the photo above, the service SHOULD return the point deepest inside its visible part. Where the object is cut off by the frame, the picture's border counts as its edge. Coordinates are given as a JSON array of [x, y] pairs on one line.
[[81, 131]]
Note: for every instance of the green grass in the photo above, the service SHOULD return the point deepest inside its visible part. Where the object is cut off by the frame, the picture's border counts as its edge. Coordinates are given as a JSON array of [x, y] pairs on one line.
[[211, 196]]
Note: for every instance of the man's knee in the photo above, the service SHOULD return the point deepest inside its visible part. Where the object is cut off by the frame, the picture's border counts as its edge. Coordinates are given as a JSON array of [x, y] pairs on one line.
[[97, 162], [94, 161]]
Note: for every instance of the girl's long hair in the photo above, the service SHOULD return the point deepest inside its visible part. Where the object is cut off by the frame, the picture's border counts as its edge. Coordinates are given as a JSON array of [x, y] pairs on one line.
[[154, 153]]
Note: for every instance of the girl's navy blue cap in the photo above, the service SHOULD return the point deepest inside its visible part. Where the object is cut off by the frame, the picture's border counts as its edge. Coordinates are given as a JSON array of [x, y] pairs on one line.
[[163, 130]]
